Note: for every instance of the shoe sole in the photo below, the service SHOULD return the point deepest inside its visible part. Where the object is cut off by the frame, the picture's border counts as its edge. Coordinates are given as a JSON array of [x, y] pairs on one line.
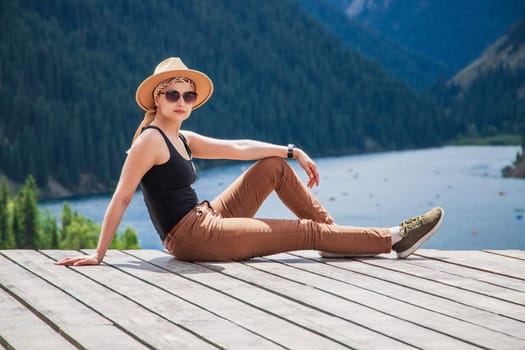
[[342, 255], [415, 246]]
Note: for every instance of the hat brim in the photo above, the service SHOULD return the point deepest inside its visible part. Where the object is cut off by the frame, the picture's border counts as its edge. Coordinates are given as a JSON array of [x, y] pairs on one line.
[[203, 87]]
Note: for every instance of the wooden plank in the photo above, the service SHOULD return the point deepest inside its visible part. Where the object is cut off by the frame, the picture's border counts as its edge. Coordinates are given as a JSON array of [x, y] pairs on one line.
[[467, 331], [462, 277], [216, 301], [75, 320], [22, 329], [508, 283], [410, 296], [492, 263], [294, 313], [150, 328], [403, 330], [170, 304], [424, 268], [511, 253], [397, 271]]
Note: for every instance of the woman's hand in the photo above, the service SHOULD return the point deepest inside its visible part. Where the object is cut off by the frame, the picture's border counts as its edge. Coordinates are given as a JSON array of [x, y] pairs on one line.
[[80, 260], [309, 167]]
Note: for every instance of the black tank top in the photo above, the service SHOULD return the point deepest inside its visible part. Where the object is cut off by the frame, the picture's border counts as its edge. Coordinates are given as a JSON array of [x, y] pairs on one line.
[[167, 188]]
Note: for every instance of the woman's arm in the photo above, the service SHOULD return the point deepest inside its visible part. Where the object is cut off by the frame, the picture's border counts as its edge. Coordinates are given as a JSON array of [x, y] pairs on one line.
[[141, 157], [212, 148]]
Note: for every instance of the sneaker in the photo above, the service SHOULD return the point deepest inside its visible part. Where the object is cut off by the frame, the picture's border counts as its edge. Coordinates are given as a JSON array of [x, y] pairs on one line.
[[416, 231]]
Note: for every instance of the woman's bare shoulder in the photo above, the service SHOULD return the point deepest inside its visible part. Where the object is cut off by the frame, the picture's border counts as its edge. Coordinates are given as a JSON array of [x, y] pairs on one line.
[[149, 148], [150, 136], [149, 141]]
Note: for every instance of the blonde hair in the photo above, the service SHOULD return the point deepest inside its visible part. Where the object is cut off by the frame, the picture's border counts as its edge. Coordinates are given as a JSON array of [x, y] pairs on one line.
[[149, 116], [148, 119]]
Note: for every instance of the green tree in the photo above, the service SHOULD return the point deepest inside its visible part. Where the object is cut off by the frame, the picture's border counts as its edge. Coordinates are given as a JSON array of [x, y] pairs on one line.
[[79, 233], [24, 226], [49, 238], [7, 239], [129, 240], [66, 219], [27, 215], [16, 224]]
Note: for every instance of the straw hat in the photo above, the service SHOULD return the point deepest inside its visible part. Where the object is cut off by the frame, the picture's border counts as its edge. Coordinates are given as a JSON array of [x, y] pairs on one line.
[[170, 68]]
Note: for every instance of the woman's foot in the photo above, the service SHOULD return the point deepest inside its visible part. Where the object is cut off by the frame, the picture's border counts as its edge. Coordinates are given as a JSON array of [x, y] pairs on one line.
[[416, 231]]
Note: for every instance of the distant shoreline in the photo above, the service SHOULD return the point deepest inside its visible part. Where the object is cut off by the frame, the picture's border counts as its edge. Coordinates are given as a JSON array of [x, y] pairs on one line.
[[516, 170]]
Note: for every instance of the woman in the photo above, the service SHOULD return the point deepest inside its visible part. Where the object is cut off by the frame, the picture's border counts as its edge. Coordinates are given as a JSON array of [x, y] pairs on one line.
[[160, 159]]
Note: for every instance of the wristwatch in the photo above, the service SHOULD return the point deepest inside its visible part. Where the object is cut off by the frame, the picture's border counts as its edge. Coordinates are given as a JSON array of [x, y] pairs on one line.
[[291, 146]]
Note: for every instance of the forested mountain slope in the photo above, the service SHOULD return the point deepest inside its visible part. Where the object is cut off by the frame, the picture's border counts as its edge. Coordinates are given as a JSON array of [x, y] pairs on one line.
[[418, 70], [508, 53], [453, 32], [69, 70], [488, 96]]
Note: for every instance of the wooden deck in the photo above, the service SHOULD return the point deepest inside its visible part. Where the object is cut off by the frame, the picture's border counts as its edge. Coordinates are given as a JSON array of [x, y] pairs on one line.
[[146, 299]]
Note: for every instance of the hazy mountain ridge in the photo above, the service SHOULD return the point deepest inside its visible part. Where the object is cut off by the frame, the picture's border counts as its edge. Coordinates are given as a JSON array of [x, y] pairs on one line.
[[418, 70], [454, 32], [508, 52]]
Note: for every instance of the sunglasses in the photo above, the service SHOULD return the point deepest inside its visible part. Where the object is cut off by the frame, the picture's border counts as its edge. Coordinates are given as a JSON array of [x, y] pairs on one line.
[[174, 96]]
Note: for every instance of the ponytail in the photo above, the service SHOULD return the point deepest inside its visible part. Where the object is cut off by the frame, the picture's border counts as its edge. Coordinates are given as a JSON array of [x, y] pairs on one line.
[[148, 118]]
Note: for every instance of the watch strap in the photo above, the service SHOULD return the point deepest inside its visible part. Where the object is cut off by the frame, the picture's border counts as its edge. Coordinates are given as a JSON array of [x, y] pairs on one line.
[[291, 146]]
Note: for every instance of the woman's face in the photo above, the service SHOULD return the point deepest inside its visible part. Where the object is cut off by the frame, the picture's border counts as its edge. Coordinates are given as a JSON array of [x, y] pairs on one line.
[[176, 101]]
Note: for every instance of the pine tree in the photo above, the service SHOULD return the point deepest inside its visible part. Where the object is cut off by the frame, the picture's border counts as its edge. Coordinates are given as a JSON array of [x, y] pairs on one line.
[[129, 239], [66, 218], [81, 233], [27, 211], [49, 231], [4, 200], [16, 224], [7, 239]]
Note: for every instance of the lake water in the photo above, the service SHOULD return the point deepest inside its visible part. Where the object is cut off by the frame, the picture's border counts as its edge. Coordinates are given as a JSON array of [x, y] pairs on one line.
[[482, 209]]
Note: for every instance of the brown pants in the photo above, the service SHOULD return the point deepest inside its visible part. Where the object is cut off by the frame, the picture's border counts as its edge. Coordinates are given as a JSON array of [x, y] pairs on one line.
[[226, 229]]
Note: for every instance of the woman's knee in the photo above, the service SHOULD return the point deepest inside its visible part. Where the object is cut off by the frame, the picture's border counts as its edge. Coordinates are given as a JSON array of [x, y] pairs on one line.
[[274, 168], [273, 164], [273, 161]]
